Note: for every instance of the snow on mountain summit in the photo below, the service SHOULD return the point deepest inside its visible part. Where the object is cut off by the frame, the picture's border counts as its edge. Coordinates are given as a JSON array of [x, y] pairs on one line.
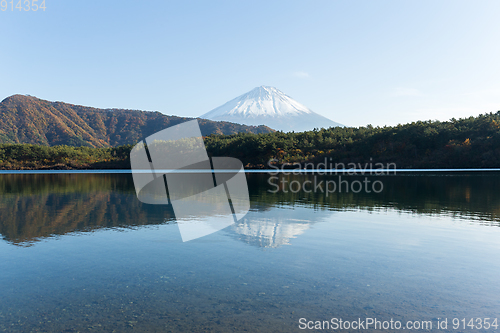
[[271, 107], [261, 101]]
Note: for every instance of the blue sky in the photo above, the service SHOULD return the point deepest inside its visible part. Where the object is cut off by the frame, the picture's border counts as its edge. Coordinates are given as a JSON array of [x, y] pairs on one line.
[[355, 62]]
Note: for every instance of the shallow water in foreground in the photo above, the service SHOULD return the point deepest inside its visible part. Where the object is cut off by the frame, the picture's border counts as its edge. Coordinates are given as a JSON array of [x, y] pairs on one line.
[[81, 253]]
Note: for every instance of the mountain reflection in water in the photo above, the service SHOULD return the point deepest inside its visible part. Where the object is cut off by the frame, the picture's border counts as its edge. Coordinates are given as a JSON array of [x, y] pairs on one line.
[[269, 231], [36, 206]]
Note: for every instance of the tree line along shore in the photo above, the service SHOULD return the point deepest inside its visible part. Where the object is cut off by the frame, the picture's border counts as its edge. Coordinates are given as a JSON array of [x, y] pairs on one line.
[[472, 142]]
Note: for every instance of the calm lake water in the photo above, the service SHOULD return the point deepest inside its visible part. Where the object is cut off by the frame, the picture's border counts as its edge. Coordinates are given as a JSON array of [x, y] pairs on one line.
[[79, 253]]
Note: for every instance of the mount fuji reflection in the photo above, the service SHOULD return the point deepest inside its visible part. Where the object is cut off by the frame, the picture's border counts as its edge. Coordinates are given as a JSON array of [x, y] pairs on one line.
[[80, 252], [34, 207]]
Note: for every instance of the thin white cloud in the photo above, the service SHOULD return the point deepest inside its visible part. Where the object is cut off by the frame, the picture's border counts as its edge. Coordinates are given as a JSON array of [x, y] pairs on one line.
[[301, 75], [406, 92]]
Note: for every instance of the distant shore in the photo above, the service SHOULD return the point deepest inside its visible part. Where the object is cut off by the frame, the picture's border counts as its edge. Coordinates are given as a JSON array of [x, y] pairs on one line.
[[469, 143]]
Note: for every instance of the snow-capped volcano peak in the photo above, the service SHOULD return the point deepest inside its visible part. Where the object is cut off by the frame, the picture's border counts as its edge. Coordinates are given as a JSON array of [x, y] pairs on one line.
[[271, 107], [261, 101]]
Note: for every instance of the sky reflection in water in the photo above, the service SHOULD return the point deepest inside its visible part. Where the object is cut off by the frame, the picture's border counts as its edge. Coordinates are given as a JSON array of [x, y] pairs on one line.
[[80, 252]]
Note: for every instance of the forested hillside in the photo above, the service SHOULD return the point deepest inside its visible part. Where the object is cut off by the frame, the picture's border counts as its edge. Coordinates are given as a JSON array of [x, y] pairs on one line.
[[472, 142], [27, 119]]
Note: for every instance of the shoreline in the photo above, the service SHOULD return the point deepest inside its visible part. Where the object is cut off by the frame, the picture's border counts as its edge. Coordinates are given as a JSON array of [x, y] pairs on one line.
[[348, 172]]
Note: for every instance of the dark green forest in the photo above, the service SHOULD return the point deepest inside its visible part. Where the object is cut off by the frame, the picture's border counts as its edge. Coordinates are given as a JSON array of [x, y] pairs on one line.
[[472, 142]]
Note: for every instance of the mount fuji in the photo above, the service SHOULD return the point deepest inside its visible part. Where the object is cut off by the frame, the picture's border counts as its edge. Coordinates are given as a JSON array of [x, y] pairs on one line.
[[271, 107]]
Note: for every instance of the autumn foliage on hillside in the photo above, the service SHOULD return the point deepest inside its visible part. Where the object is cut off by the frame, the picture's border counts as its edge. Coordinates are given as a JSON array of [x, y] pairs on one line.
[[27, 119], [472, 142]]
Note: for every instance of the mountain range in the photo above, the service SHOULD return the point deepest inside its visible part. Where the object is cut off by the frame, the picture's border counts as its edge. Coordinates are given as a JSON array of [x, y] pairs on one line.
[[27, 119], [270, 106]]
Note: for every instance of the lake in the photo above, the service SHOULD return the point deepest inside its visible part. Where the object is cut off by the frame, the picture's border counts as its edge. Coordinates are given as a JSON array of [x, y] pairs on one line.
[[80, 252]]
